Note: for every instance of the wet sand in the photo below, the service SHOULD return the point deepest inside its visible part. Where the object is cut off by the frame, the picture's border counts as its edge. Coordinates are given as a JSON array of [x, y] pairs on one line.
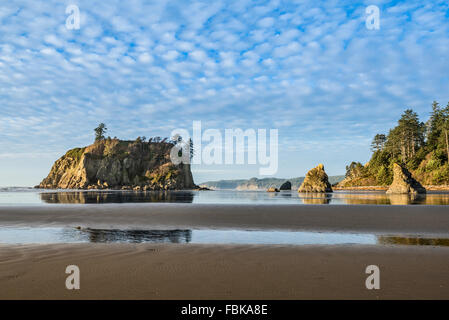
[[194, 271], [382, 219], [170, 271]]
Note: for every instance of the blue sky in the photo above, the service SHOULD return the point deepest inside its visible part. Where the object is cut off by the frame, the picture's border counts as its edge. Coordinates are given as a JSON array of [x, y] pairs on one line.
[[308, 68]]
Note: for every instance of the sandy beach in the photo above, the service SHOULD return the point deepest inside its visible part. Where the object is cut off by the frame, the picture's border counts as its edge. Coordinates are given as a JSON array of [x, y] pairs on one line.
[[226, 271], [148, 271]]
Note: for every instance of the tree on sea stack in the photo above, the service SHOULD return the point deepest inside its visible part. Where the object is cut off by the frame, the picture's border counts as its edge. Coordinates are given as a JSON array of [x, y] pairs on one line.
[[100, 131], [403, 182], [316, 180]]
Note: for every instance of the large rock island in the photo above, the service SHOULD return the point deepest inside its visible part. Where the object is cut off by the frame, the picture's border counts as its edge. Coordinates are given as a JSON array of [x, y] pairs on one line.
[[117, 164], [316, 180]]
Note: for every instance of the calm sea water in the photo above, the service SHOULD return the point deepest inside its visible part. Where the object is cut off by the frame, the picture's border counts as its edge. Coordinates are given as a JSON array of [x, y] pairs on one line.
[[30, 196]]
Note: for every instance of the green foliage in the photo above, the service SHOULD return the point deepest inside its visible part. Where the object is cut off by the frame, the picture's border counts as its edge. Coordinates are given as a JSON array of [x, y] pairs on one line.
[[441, 175], [378, 143], [75, 153], [355, 169], [414, 162], [380, 167], [407, 137], [432, 165], [435, 125], [384, 176], [438, 158], [421, 148]]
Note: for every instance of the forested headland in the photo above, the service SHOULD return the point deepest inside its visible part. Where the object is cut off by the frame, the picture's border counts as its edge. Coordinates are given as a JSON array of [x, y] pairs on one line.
[[421, 147]]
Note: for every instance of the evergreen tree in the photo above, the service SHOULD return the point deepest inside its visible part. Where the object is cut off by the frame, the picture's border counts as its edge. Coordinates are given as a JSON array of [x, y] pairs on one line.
[[378, 142], [100, 131], [445, 127], [435, 124], [407, 137], [422, 148]]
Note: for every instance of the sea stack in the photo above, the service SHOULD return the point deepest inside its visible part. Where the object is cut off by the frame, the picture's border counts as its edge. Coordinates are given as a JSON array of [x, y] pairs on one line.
[[273, 189], [287, 185], [403, 182], [118, 164], [316, 181]]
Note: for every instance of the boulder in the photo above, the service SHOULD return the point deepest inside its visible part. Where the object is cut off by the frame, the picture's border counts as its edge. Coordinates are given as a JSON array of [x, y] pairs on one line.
[[403, 182], [273, 189], [316, 180], [287, 185]]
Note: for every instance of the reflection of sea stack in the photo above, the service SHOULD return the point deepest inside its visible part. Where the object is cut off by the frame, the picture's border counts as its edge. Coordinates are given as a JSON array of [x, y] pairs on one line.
[[287, 185], [403, 182], [401, 198], [316, 198], [316, 181]]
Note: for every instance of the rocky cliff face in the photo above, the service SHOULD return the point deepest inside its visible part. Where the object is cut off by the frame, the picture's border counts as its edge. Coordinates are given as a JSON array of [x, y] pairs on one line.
[[316, 180], [116, 164], [403, 182]]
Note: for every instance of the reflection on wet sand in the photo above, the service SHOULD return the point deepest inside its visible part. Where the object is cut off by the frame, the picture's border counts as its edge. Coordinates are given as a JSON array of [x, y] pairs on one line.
[[185, 236], [137, 236], [413, 241], [315, 198], [86, 197], [235, 197], [372, 198], [365, 198], [393, 199]]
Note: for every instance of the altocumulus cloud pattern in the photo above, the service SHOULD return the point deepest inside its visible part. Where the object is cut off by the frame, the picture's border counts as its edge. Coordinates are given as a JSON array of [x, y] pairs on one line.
[[310, 68]]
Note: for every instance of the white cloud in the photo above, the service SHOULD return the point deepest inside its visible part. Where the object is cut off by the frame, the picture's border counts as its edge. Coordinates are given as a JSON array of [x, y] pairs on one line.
[[198, 55], [140, 66], [266, 22], [170, 55], [145, 58]]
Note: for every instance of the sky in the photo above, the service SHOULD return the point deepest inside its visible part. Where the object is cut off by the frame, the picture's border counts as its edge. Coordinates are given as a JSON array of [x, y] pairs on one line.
[[311, 69]]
